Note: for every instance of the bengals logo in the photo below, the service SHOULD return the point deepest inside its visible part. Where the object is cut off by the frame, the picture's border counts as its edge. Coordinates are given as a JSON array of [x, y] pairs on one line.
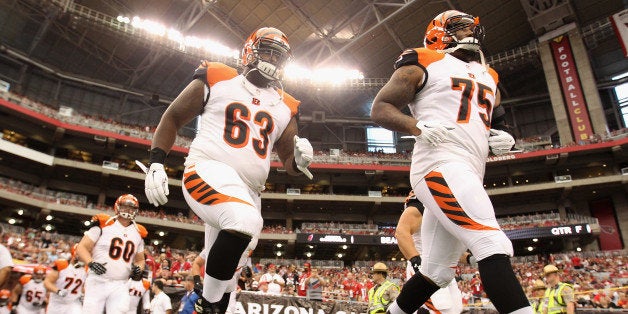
[[255, 101]]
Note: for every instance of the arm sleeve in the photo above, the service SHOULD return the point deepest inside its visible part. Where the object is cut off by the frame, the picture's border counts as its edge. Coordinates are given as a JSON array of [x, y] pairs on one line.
[[146, 301], [93, 233]]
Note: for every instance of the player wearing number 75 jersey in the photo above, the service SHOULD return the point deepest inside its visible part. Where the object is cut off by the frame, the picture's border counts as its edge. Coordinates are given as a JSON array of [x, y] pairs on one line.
[[113, 250], [451, 94], [65, 284], [242, 118]]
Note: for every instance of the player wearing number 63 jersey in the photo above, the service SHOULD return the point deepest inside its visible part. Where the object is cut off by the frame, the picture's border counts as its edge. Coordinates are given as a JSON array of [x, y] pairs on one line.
[[32, 292], [243, 117], [113, 250], [451, 93], [65, 284]]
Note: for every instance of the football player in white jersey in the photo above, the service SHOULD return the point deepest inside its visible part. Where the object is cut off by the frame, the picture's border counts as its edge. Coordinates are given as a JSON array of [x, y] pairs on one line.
[[138, 290], [446, 300], [242, 118], [65, 284], [113, 249], [5, 301], [451, 93], [32, 292]]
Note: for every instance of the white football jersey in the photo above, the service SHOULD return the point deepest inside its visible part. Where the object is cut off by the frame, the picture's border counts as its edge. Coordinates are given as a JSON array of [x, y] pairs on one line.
[[71, 279], [137, 291], [115, 246], [458, 94], [33, 293], [240, 124]]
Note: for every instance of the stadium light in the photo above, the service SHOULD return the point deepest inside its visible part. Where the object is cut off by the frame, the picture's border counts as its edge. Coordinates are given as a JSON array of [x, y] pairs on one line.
[[332, 75], [308, 254], [535, 240], [156, 242], [48, 227], [344, 247], [20, 212], [49, 217], [339, 255], [278, 253], [393, 258], [578, 249], [161, 233], [530, 248], [11, 221], [279, 245], [86, 223]]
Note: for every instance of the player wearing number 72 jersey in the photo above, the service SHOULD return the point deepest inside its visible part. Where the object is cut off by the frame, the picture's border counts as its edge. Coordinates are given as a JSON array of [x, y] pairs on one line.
[[113, 249], [65, 284], [451, 94]]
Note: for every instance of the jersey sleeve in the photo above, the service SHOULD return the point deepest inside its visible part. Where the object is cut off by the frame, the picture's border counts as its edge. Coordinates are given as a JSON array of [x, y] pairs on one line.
[[422, 57], [494, 75], [211, 73], [60, 264], [291, 102], [25, 279], [142, 230], [93, 233]]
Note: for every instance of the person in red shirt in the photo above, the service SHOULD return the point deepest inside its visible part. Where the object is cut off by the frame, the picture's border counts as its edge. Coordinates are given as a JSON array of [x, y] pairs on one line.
[[477, 289], [576, 263], [181, 268], [302, 288], [352, 287], [151, 264]]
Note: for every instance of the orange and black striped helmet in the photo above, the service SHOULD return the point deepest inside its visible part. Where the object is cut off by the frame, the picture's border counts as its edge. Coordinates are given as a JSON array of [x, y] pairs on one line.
[[267, 51]]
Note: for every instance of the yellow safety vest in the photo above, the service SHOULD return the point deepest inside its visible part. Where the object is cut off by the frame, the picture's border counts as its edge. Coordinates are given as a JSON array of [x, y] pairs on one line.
[[537, 306], [555, 302], [377, 304]]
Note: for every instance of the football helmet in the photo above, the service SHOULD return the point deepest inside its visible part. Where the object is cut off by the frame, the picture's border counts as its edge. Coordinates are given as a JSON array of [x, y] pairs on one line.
[[267, 51], [441, 32], [126, 206], [4, 297], [39, 272]]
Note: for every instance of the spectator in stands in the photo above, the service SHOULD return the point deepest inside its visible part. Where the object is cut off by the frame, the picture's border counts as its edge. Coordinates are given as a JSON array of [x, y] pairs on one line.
[[384, 292], [477, 289], [559, 296], [164, 272], [6, 261], [160, 304], [302, 289], [181, 267], [291, 277], [315, 284], [352, 287], [274, 280]]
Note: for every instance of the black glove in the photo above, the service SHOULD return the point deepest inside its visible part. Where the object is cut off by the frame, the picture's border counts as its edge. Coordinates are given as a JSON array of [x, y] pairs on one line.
[[136, 273], [97, 267], [416, 263], [198, 286]]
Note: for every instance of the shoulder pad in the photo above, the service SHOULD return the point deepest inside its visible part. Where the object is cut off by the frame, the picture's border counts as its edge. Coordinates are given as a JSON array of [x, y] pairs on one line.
[[146, 284], [493, 74], [101, 220], [213, 72], [142, 230], [25, 279], [290, 101], [60, 264], [419, 57]]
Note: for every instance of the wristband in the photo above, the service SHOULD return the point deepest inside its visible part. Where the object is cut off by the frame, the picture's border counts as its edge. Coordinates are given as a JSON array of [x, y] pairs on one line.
[[157, 155]]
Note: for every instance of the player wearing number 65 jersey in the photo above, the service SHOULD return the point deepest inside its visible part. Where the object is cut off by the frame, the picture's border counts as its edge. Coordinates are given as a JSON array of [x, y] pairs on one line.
[[451, 94], [31, 291], [243, 117], [113, 250], [65, 284]]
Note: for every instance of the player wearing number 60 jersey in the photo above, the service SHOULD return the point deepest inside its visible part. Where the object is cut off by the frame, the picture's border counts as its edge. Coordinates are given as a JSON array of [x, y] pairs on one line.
[[451, 93], [113, 249], [65, 284]]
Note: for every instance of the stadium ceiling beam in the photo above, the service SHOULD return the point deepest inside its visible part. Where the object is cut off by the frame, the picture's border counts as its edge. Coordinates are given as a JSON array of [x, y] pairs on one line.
[[341, 25], [392, 34], [192, 14], [308, 21], [406, 4]]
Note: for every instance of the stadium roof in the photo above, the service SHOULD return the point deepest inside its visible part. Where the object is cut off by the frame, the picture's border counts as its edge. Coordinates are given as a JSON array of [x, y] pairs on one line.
[[82, 39]]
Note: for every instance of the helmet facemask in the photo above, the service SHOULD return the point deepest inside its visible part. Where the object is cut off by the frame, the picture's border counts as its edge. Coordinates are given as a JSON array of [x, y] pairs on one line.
[[269, 57], [457, 23], [127, 211]]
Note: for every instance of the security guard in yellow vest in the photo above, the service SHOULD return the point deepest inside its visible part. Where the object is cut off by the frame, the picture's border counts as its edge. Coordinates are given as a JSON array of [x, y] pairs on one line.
[[559, 296], [384, 291], [537, 296]]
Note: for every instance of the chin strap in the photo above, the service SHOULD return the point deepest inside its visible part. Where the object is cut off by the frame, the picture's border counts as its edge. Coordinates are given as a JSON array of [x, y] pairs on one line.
[[467, 45]]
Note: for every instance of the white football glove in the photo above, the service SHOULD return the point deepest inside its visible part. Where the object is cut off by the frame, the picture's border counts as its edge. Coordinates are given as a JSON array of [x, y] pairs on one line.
[[500, 142], [433, 132], [303, 155], [156, 183]]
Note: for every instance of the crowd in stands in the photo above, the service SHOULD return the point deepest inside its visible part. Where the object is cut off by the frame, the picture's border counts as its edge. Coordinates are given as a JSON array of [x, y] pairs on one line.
[[542, 220], [337, 157], [600, 278]]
